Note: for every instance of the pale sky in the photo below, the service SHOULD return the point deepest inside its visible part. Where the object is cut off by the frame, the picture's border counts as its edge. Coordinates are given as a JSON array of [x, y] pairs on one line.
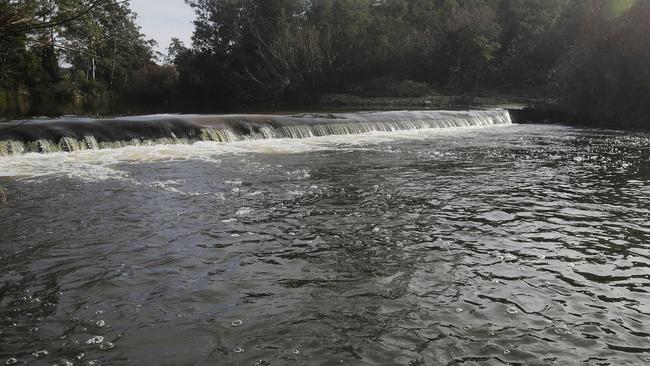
[[164, 19]]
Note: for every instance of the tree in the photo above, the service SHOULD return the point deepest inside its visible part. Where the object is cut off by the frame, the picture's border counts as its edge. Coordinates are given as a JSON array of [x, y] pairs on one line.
[[98, 38], [605, 78]]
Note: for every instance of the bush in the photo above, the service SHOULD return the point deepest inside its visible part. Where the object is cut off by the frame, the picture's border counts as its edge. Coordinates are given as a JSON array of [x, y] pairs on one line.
[[151, 85], [388, 87], [410, 88]]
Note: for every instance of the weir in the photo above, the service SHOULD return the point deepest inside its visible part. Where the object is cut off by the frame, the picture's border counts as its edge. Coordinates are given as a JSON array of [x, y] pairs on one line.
[[73, 134]]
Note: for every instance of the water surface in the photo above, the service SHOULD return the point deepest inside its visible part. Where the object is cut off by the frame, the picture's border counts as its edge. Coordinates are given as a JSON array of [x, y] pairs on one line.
[[522, 245]]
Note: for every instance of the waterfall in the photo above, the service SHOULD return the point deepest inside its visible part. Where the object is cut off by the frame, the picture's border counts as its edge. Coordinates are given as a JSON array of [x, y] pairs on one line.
[[67, 135]]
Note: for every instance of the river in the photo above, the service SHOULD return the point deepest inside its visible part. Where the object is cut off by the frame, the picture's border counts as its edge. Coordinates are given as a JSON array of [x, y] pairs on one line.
[[481, 245]]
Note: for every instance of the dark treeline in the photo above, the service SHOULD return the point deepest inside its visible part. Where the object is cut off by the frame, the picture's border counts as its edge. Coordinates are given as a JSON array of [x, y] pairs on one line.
[[61, 56], [588, 57]]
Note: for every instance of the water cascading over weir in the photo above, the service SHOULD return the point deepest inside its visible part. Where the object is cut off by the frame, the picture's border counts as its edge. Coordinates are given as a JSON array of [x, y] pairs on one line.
[[73, 134]]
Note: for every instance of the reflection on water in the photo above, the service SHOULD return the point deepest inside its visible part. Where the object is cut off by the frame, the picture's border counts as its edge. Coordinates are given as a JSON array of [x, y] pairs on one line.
[[516, 245]]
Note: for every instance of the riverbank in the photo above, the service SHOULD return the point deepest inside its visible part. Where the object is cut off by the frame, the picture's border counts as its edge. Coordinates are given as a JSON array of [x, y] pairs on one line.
[[524, 108], [532, 105], [520, 99], [432, 101]]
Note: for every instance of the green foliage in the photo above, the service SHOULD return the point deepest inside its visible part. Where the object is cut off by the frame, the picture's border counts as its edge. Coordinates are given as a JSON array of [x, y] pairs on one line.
[[606, 80], [98, 41], [89, 54], [617, 8], [410, 88], [295, 50], [151, 85]]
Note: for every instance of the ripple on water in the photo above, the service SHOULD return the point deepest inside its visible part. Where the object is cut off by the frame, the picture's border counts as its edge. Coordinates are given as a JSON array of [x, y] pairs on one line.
[[237, 323], [562, 329], [95, 340], [367, 254], [106, 346], [40, 354], [497, 216]]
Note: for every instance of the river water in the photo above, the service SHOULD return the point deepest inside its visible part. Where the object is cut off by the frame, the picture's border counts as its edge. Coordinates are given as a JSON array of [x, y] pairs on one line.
[[514, 244]]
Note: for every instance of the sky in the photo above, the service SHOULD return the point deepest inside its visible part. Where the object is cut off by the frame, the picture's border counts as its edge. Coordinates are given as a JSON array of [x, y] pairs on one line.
[[164, 19]]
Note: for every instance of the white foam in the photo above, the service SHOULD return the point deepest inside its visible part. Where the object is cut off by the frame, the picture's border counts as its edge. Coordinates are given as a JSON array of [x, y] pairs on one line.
[[103, 164]]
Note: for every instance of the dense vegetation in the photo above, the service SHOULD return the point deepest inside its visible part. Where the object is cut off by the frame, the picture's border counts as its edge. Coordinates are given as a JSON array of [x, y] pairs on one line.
[[589, 57], [67, 55]]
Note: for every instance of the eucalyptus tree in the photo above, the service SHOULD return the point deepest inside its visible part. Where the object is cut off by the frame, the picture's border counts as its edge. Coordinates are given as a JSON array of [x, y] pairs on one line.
[[97, 40], [106, 43]]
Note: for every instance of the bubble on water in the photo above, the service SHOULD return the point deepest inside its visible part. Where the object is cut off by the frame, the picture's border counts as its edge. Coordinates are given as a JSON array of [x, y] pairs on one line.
[[106, 346], [459, 310], [296, 351], [522, 268], [95, 340], [239, 350], [512, 310], [99, 312], [80, 356], [467, 328], [572, 264], [40, 354], [496, 280], [261, 363], [508, 320], [619, 320], [562, 329], [101, 323], [541, 256], [506, 352], [491, 334], [11, 361], [235, 235], [375, 230], [64, 363], [237, 323]]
